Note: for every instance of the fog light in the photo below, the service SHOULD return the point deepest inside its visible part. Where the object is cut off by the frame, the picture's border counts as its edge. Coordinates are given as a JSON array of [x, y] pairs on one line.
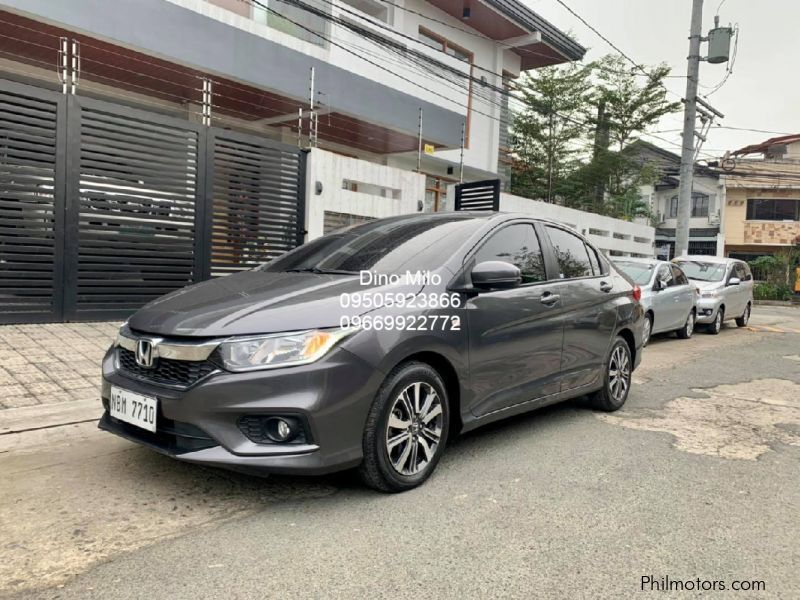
[[281, 430]]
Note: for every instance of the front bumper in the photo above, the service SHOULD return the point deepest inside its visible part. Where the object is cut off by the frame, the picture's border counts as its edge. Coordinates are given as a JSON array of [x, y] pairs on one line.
[[330, 397], [707, 309]]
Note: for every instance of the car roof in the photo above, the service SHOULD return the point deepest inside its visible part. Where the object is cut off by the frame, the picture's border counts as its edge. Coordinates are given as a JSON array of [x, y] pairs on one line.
[[638, 259], [720, 260]]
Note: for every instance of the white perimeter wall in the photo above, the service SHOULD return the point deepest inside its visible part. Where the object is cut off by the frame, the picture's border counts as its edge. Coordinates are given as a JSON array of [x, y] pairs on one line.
[[613, 236], [330, 170]]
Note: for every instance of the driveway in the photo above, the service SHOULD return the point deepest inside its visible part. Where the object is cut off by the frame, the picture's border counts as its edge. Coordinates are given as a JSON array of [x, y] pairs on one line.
[[696, 480]]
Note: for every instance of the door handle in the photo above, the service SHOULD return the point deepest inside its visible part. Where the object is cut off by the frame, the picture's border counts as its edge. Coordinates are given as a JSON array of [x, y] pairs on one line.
[[605, 286], [549, 299]]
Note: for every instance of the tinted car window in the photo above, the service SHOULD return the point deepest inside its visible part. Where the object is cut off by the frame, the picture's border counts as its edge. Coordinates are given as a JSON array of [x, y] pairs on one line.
[[385, 246], [594, 260], [641, 273], [571, 254], [518, 245], [680, 278]]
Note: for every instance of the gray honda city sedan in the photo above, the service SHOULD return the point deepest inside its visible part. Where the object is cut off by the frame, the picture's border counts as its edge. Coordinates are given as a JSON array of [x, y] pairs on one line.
[[369, 347]]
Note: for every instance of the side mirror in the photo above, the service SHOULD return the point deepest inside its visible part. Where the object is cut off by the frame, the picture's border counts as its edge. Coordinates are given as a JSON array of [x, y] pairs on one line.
[[734, 281], [657, 285], [495, 274]]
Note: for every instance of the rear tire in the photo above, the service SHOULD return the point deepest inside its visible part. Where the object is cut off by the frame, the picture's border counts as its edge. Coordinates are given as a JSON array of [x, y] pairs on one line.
[[715, 327], [617, 378], [406, 429], [647, 330], [686, 331], [745, 318]]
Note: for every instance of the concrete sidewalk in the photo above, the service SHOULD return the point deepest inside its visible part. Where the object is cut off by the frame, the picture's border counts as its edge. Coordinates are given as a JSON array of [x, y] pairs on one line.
[[52, 363]]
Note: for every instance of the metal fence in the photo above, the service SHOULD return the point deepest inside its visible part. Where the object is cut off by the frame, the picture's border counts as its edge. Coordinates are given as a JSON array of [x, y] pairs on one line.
[[104, 207]]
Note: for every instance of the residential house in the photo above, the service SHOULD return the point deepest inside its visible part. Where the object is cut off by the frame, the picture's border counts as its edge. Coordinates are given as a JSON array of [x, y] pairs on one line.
[[762, 211], [708, 193], [147, 144]]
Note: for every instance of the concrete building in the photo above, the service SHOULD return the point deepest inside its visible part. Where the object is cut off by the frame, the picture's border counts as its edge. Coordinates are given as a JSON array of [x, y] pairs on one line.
[[383, 71], [762, 208], [708, 200]]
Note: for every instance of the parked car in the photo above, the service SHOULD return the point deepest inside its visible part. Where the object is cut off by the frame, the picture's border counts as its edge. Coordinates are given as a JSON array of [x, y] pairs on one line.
[[668, 299], [726, 289], [371, 346]]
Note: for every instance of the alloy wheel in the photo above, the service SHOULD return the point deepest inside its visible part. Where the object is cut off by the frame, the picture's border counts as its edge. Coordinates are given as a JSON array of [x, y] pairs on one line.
[[718, 321], [647, 329], [690, 324], [414, 429], [746, 316], [619, 373]]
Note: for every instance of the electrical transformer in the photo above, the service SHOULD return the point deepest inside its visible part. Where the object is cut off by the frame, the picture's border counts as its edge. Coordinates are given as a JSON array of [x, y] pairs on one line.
[[719, 44]]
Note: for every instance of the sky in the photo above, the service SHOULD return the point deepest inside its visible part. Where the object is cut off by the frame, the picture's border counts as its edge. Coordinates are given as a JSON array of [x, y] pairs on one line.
[[763, 91]]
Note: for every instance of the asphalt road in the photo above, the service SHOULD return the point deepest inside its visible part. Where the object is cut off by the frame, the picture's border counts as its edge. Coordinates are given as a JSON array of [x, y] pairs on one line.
[[697, 477]]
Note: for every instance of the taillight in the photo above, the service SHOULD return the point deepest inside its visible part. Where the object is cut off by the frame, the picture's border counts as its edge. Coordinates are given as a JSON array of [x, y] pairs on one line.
[[637, 293]]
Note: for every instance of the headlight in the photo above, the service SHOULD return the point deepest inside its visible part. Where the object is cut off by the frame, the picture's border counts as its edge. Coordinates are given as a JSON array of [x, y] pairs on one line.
[[279, 350], [711, 294]]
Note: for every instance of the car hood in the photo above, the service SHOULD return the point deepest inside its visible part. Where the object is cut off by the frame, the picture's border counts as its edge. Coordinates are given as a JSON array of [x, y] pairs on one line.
[[706, 285], [254, 302]]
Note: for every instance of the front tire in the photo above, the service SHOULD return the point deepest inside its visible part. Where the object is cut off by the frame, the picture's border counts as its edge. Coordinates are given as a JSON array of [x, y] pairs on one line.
[[406, 429], [716, 326], [686, 331], [745, 318], [617, 380]]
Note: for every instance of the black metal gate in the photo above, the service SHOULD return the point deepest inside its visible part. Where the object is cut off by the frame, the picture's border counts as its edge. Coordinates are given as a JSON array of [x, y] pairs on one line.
[[105, 207], [478, 195]]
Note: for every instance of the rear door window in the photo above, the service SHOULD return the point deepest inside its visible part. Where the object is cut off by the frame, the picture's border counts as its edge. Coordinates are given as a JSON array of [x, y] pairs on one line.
[[571, 253]]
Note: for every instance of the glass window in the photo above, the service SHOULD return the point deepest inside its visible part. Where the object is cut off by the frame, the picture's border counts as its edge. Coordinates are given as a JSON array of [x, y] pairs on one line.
[[386, 246], [518, 245], [431, 41], [703, 271], [665, 276], [640, 272], [699, 205], [773, 210], [594, 261], [680, 278], [571, 254]]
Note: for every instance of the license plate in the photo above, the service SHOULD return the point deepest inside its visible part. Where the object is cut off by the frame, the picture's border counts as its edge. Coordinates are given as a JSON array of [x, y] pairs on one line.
[[133, 408]]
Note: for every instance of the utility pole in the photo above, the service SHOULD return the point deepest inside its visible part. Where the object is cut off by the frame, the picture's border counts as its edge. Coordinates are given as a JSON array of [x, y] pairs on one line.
[[689, 117]]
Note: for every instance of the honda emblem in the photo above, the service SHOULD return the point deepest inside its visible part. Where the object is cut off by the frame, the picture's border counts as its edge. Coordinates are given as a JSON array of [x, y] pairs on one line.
[[144, 353]]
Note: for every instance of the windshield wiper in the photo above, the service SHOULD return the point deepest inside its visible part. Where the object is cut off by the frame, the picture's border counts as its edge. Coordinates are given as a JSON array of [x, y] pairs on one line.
[[318, 271]]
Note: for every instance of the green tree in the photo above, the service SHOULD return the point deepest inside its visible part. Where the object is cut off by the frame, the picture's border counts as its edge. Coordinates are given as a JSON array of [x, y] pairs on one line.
[[632, 103], [549, 131]]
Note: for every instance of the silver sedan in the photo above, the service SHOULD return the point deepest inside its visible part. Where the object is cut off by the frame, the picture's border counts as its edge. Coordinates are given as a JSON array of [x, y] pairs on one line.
[[669, 299]]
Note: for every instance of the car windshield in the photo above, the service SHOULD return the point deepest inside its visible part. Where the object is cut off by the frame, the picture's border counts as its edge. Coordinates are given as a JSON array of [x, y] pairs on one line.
[[386, 246], [638, 271], [703, 271]]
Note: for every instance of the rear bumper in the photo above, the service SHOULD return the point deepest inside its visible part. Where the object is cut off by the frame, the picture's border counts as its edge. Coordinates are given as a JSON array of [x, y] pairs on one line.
[[201, 425]]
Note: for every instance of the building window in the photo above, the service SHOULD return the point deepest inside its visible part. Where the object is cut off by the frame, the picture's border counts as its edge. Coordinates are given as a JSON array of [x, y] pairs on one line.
[[699, 205], [436, 41], [773, 210], [436, 191]]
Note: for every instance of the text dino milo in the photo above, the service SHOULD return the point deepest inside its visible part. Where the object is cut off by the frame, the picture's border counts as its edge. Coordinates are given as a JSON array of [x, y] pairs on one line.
[[650, 583], [367, 301]]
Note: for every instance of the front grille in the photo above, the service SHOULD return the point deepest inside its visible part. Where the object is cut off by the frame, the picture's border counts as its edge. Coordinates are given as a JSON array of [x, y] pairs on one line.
[[166, 371]]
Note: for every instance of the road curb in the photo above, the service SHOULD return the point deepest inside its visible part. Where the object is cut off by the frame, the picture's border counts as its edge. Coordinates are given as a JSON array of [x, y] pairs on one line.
[[44, 416]]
